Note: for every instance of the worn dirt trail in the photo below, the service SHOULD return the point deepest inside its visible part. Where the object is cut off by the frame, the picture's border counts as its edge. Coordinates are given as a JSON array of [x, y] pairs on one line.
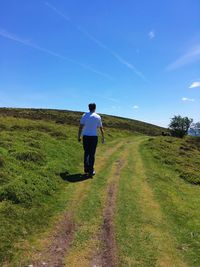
[[57, 242], [102, 248], [108, 252], [107, 256]]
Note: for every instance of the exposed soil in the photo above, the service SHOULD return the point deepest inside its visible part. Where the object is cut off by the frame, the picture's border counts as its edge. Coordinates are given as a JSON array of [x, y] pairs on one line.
[[109, 254], [107, 257], [61, 240]]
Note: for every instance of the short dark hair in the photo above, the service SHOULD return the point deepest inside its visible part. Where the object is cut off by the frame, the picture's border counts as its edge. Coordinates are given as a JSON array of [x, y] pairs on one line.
[[92, 106]]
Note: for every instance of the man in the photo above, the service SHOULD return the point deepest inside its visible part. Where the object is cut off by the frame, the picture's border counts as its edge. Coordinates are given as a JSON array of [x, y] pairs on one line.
[[89, 124]]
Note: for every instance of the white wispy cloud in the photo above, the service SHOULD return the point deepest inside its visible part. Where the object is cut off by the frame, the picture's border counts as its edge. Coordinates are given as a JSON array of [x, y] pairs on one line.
[[111, 99], [194, 85], [151, 34], [112, 52], [57, 11], [189, 57], [136, 107], [187, 99], [115, 107], [128, 65], [26, 42], [119, 58]]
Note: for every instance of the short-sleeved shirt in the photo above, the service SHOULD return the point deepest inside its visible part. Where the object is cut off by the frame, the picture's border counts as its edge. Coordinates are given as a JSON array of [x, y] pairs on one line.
[[91, 122]]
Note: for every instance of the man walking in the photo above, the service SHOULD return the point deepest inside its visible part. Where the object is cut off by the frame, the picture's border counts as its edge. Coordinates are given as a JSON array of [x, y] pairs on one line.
[[89, 124]]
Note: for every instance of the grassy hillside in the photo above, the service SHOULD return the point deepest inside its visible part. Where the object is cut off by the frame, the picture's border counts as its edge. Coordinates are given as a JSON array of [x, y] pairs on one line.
[[172, 168], [183, 155], [73, 118], [33, 154], [145, 194]]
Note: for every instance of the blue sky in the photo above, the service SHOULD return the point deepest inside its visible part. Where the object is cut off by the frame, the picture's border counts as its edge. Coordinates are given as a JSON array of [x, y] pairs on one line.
[[136, 58]]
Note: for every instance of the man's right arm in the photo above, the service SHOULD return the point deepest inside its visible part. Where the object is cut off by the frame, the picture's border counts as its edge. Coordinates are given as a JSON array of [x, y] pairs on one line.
[[82, 122], [80, 131]]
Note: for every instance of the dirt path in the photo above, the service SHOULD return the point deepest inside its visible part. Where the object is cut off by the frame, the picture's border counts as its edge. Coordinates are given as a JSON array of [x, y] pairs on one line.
[[56, 245], [100, 248], [126, 226], [108, 253], [61, 240]]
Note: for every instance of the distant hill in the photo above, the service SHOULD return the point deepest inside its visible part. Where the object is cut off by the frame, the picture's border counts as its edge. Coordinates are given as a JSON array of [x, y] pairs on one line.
[[73, 117]]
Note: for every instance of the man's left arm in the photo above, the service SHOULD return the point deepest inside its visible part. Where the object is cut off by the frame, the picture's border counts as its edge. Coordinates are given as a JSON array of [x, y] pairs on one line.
[[101, 130], [102, 135]]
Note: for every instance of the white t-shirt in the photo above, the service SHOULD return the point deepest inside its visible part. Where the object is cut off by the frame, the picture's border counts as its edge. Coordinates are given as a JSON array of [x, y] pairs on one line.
[[91, 122]]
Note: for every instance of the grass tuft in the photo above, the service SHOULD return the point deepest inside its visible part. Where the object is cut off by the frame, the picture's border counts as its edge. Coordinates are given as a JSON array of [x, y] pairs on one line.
[[30, 156], [2, 162]]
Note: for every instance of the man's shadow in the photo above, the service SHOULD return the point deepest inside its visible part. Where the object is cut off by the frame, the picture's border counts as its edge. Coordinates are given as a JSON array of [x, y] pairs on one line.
[[74, 178]]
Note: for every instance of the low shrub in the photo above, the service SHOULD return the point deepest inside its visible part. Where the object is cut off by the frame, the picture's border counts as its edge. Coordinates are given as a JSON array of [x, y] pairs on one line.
[[28, 190], [58, 134], [5, 144], [30, 156], [191, 176], [33, 143], [3, 177], [3, 127], [2, 162]]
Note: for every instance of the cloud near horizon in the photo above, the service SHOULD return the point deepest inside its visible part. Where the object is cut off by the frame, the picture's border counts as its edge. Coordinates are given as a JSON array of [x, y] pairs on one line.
[[195, 85], [187, 99], [189, 57], [136, 107]]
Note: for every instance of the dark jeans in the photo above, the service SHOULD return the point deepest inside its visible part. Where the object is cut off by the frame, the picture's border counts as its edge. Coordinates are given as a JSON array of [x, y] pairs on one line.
[[89, 145]]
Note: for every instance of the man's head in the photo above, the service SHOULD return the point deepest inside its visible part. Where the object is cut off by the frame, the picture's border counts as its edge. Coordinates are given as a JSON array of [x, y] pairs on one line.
[[92, 107]]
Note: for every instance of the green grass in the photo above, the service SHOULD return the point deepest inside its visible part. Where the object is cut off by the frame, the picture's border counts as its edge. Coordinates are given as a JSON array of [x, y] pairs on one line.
[[182, 154], [135, 246], [91, 208], [33, 153], [89, 214], [157, 219], [158, 193], [32, 156], [179, 200], [73, 118]]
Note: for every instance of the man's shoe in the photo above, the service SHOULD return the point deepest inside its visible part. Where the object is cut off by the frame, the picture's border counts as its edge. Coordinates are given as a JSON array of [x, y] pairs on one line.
[[91, 174], [86, 169]]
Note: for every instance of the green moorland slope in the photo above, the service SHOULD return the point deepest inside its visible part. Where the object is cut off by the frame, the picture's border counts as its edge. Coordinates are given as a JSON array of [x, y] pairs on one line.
[[73, 118], [158, 217], [172, 170], [141, 208], [33, 155]]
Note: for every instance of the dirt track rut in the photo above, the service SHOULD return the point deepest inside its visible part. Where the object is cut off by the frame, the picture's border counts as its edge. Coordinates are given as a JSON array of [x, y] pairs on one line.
[[62, 234]]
